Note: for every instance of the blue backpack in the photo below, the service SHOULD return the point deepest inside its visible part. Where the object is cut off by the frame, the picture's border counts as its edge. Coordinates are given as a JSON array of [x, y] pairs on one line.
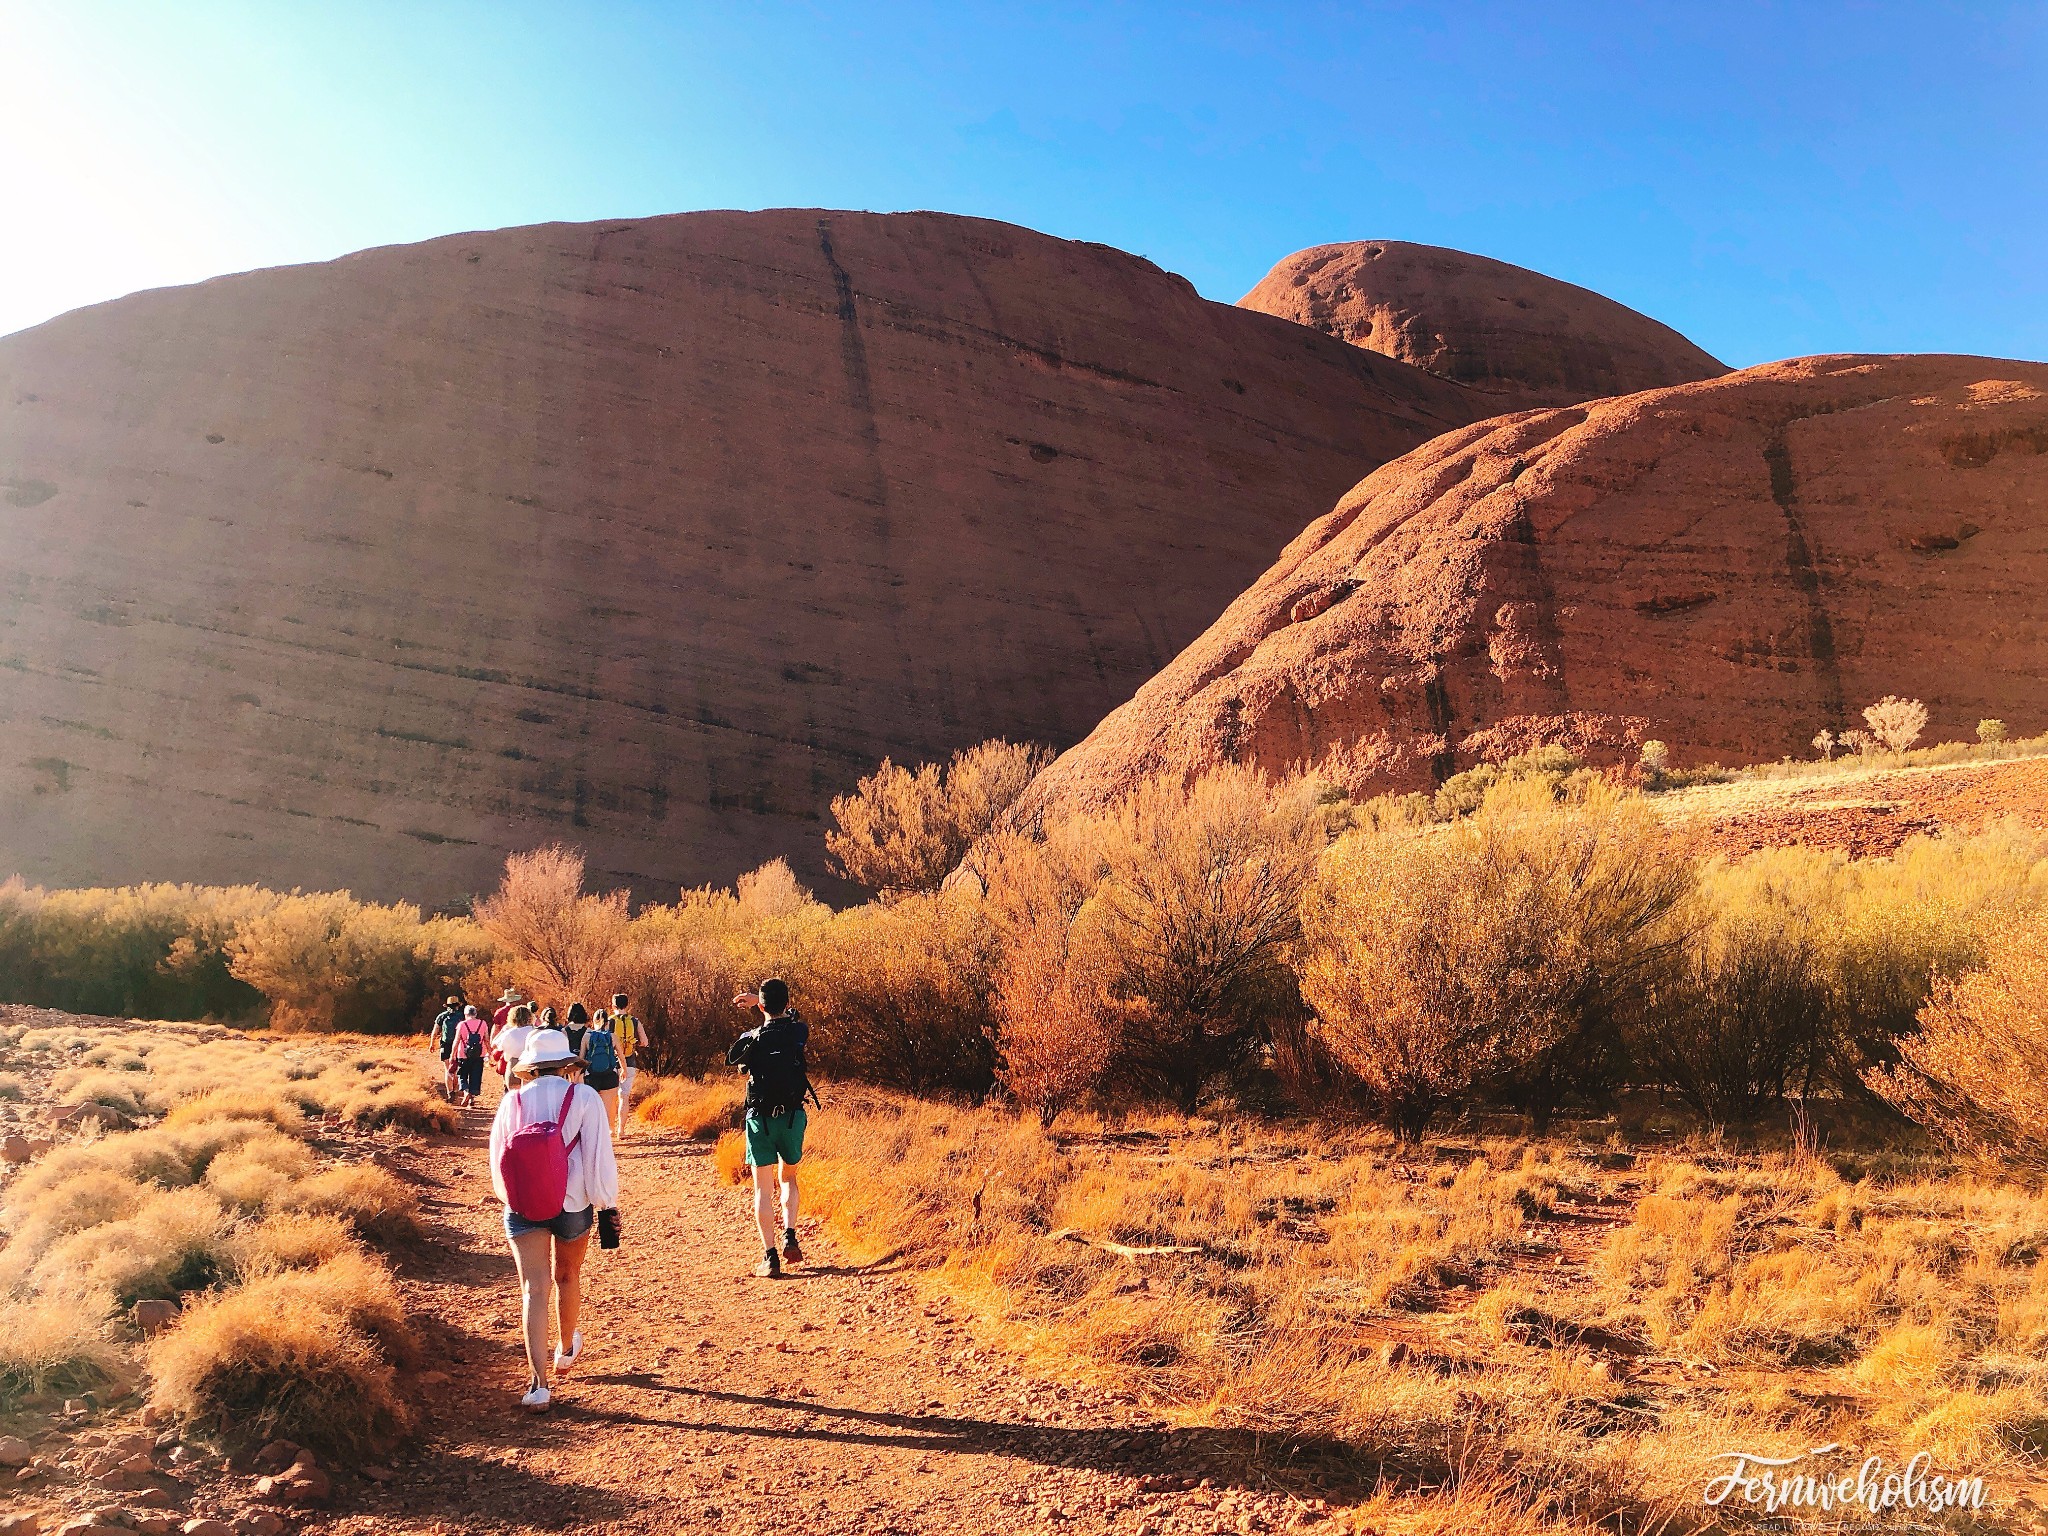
[[600, 1051]]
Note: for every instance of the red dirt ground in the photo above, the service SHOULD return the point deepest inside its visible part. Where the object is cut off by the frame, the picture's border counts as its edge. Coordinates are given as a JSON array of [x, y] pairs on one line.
[[1871, 817]]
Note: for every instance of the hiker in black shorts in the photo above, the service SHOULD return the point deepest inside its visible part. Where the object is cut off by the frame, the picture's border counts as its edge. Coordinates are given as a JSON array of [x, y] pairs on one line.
[[778, 1080]]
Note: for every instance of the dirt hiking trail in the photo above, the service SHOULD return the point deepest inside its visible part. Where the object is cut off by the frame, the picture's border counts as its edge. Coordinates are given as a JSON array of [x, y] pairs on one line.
[[839, 1399]]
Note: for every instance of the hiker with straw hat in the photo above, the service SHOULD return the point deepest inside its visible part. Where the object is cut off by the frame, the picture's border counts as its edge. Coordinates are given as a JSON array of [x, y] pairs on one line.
[[553, 1170]]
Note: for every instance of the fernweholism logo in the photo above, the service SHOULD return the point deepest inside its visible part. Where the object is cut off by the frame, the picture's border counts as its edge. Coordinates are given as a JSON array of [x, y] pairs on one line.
[[1772, 1484]]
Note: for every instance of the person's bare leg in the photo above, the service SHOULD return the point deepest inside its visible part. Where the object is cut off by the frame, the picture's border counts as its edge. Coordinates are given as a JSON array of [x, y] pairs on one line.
[[764, 1205], [569, 1287], [530, 1256], [611, 1108], [626, 1076], [789, 1196]]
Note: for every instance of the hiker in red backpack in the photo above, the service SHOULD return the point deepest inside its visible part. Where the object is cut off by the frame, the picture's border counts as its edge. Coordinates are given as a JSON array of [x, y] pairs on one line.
[[551, 1164]]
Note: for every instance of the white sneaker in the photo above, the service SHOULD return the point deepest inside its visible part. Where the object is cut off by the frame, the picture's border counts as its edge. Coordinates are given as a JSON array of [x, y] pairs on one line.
[[562, 1361], [537, 1400]]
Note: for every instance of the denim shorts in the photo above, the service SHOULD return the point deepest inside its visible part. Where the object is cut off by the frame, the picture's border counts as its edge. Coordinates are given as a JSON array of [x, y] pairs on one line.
[[567, 1227]]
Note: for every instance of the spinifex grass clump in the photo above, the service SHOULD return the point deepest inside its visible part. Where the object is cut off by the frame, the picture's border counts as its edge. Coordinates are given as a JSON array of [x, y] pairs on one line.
[[290, 1325]]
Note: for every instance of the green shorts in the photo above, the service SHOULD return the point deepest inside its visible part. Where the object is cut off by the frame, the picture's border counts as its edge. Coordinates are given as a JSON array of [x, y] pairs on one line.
[[778, 1140]]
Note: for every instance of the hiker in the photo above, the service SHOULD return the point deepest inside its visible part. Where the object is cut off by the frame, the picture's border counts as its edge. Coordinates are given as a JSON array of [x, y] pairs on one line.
[[626, 1031], [773, 1056], [509, 1041], [508, 999], [443, 1036], [599, 1048], [574, 1023], [471, 1045], [552, 1167]]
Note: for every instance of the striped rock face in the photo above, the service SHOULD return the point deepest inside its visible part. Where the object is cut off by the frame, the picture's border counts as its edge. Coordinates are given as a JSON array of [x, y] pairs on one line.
[[1728, 567], [651, 536]]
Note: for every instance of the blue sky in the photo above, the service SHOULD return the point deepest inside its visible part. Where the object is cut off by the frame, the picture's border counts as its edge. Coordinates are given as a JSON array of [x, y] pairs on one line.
[[1771, 179]]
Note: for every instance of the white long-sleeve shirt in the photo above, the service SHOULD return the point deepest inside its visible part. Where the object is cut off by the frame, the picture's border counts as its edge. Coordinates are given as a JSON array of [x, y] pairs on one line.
[[593, 1173]]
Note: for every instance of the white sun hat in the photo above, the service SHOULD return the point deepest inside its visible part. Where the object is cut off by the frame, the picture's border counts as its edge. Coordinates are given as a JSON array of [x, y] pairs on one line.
[[544, 1048]]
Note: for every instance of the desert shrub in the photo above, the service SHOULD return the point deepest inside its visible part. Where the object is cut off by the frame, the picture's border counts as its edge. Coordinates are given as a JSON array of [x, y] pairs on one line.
[[52, 1346], [682, 964], [330, 962], [238, 1104], [304, 1355], [901, 995], [1196, 898], [1553, 767], [1895, 723], [260, 1172], [287, 1240], [11, 1086], [1749, 1015], [157, 951], [700, 1109], [1506, 950], [560, 941], [1991, 732], [1976, 1074], [1824, 744], [373, 1202], [175, 1241], [903, 830]]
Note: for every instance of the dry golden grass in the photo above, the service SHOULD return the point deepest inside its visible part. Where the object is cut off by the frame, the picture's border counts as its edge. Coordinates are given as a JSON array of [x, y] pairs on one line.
[[303, 1354], [700, 1109], [729, 1157], [290, 1325], [52, 1346], [1507, 1327]]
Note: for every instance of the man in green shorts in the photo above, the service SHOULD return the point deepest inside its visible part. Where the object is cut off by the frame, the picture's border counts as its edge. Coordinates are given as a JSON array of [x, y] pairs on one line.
[[778, 1080]]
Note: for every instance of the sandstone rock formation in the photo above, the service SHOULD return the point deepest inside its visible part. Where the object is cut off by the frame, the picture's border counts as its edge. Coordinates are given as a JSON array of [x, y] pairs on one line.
[[1520, 337], [1727, 567], [651, 535]]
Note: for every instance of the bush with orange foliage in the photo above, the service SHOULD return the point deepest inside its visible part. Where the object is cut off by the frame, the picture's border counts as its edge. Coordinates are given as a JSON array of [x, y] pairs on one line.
[[903, 830], [563, 942], [1976, 1074], [1191, 923]]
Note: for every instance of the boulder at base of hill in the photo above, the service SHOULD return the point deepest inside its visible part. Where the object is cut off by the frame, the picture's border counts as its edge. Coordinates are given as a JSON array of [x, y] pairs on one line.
[[1727, 567], [1518, 337]]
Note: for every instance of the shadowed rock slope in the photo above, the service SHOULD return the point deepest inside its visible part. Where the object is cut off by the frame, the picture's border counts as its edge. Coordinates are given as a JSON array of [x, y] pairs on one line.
[[651, 535], [1521, 338], [1726, 566]]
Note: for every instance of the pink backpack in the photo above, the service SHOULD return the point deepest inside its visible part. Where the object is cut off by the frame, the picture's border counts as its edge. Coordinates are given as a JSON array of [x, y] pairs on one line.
[[534, 1162]]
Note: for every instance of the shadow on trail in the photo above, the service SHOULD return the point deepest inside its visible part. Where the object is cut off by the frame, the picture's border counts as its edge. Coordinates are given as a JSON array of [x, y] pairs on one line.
[[480, 1493], [1242, 1458]]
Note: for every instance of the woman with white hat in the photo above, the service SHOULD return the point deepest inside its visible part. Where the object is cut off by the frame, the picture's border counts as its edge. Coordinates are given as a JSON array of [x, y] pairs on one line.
[[546, 1103]]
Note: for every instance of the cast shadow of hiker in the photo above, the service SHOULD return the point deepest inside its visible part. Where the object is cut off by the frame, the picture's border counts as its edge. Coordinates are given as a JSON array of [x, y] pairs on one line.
[[1236, 1457]]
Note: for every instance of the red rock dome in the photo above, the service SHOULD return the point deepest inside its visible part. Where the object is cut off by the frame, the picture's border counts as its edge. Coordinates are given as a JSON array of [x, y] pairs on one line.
[[1520, 337], [1726, 566], [651, 534]]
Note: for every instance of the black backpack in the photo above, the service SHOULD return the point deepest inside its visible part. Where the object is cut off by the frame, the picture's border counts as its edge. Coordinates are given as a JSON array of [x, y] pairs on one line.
[[778, 1074], [473, 1048]]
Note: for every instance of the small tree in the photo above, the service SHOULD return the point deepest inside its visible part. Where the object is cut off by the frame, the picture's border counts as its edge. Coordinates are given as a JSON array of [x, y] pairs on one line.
[[1862, 743], [1824, 744], [1655, 759], [1505, 951], [904, 830], [1976, 1075], [1990, 732], [562, 943], [1198, 903], [1896, 723]]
